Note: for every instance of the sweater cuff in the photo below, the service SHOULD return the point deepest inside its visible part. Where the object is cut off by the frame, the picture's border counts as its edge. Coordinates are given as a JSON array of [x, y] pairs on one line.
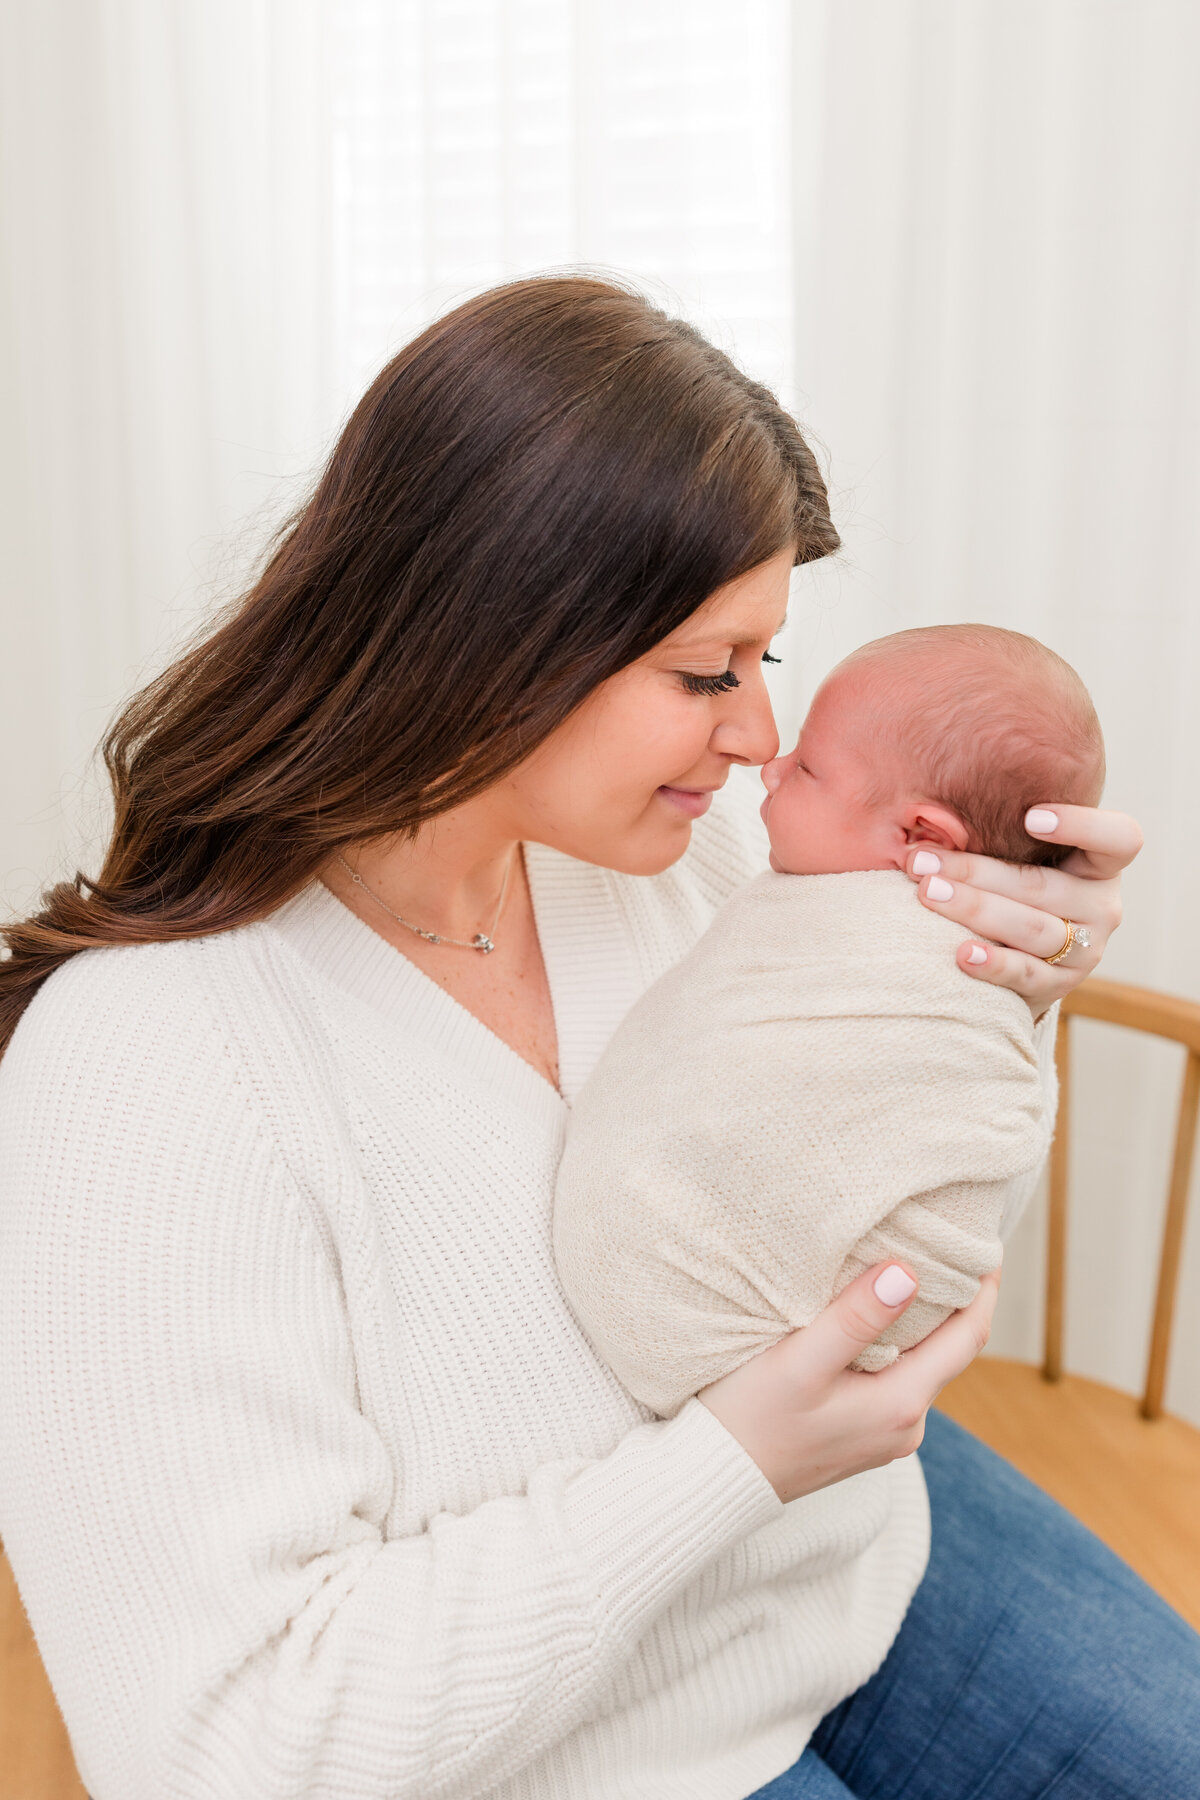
[[667, 1501]]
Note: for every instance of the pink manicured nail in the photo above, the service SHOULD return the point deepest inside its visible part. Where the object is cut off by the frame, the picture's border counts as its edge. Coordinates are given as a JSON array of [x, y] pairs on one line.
[[1038, 819], [893, 1285], [926, 863], [977, 954], [939, 889]]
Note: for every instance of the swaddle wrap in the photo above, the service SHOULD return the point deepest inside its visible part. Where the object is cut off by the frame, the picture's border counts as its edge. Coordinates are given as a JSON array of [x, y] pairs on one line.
[[814, 1088]]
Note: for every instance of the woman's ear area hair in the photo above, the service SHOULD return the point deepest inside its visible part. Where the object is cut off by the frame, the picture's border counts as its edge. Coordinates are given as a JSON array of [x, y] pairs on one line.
[[925, 822]]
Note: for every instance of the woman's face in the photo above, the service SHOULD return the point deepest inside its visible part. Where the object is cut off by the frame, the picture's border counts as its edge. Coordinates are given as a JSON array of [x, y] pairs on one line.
[[621, 781]]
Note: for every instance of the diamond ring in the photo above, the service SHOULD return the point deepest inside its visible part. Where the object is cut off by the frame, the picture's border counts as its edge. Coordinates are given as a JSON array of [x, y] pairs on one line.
[[1076, 934]]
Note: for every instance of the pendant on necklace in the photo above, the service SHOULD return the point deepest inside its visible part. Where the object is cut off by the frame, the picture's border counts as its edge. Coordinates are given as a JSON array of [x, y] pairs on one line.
[[483, 943]]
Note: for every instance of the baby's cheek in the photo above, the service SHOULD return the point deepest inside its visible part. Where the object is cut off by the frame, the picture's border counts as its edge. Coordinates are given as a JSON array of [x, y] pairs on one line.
[[796, 844]]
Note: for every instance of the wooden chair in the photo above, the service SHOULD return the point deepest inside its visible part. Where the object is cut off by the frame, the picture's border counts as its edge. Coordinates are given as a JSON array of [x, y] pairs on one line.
[[1129, 1471]]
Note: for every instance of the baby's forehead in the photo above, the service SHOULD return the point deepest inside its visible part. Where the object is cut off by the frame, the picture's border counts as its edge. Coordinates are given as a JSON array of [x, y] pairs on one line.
[[856, 690], [891, 708], [889, 680]]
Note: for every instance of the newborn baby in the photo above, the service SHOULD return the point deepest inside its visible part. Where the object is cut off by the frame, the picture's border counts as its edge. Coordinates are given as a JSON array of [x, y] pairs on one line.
[[816, 1086]]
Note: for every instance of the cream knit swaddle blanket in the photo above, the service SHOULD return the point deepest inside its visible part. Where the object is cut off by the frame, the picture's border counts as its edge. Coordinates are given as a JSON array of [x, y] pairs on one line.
[[814, 1088]]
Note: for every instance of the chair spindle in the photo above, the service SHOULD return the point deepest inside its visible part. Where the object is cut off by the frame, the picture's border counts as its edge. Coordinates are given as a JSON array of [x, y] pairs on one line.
[[1172, 1245], [1163, 1015]]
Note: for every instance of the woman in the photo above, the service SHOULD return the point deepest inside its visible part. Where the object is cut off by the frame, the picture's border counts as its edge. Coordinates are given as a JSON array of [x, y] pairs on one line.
[[310, 1482]]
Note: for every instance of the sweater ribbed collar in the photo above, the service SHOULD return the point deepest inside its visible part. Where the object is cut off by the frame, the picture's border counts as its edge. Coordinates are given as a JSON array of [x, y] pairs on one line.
[[591, 964]]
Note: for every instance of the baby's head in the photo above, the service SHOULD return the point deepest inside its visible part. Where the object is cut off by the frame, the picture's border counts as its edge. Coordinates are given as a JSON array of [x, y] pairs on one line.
[[944, 735]]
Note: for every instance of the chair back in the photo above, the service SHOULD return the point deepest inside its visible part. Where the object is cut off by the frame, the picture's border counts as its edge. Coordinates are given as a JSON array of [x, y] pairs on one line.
[[1164, 1015]]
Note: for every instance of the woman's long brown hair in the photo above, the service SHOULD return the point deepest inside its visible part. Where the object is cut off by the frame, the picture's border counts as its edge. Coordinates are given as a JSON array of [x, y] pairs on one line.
[[536, 490]]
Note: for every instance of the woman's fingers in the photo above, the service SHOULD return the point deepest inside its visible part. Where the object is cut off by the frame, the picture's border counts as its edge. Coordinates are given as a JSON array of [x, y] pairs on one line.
[[808, 1420], [1019, 926], [915, 1381], [1023, 935], [1023, 907], [1057, 892], [1105, 842], [1034, 980], [853, 1319]]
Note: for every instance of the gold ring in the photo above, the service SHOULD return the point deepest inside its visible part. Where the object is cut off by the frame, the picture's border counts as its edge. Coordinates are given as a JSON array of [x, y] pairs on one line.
[[1067, 942]]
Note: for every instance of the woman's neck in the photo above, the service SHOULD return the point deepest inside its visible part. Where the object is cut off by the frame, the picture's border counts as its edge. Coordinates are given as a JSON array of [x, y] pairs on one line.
[[447, 879]]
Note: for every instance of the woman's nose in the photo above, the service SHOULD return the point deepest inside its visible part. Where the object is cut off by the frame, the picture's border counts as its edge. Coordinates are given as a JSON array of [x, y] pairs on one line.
[[748, 732]]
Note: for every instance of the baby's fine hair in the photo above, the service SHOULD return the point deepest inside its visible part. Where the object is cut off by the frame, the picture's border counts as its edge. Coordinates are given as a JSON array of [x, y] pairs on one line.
[[1004, 724]]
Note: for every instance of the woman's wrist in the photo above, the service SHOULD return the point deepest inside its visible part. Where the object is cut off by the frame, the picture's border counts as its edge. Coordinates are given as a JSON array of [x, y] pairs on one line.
[[806, 1420]]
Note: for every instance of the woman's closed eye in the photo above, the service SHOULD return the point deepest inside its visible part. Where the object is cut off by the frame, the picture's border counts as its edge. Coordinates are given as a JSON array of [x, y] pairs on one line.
[[717, 684], [709, 684]]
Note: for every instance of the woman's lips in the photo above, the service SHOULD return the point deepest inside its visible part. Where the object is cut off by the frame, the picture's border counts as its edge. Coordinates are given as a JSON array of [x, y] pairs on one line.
[[692, 801]]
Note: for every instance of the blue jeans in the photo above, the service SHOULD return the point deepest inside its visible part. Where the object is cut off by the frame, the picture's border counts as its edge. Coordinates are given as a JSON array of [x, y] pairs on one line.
[[1032, 1665]]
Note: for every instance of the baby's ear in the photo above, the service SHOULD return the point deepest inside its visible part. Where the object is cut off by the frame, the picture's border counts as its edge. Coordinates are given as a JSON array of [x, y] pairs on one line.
[[925, 822]]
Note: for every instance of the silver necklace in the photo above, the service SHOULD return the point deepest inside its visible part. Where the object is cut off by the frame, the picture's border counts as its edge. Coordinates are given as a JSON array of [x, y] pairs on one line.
[[483, 941]]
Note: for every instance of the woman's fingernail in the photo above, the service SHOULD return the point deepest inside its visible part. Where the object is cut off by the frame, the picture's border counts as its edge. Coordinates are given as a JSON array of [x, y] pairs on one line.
[[977, 954], [894, 1285], [926, 863], [1038, 819], [939, 889]]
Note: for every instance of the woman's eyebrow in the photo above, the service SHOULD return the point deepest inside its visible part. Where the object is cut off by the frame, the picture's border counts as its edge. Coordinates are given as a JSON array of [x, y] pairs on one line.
[[736, 640]]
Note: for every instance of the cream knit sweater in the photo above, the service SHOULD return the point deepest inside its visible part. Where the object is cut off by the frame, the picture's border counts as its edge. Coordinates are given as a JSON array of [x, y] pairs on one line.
[[310, 1481], [813, 1088]]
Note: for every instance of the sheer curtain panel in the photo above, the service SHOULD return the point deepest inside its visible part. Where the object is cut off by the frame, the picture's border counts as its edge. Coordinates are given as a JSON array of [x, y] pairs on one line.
[[480, 139], [165, 357]]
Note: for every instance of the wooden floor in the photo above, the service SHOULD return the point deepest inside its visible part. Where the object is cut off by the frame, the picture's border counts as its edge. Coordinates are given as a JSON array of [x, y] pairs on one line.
[[1137, 1485], [35, 1755], [1134, 1482]]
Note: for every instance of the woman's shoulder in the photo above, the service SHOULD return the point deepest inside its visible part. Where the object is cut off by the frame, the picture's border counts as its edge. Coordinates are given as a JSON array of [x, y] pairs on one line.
[[201, 1055], [145, 1019], [98, 995]]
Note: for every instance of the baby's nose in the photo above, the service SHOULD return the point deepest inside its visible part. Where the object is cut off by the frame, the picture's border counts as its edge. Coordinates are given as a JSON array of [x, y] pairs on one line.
[[772, 774]]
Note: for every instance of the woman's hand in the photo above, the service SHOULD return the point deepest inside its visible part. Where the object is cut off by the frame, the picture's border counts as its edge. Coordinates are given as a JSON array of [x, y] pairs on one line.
[[1022, 907], [807, 1419]]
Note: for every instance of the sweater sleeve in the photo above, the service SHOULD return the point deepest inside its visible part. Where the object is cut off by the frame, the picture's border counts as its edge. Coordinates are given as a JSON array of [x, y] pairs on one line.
[[193, 1501]]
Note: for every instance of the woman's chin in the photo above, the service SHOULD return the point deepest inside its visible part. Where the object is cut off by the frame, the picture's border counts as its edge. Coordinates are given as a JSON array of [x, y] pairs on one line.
[[651, 851], [655, 858]]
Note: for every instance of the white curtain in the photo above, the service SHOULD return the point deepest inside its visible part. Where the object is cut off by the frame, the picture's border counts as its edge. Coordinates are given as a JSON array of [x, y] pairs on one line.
[[960, 236], [479, 139], [165, 355]]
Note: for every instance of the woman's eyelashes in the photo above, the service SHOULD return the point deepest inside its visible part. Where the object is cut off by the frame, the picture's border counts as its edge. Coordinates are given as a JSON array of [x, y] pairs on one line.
[[709, 684], [717, 684]]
